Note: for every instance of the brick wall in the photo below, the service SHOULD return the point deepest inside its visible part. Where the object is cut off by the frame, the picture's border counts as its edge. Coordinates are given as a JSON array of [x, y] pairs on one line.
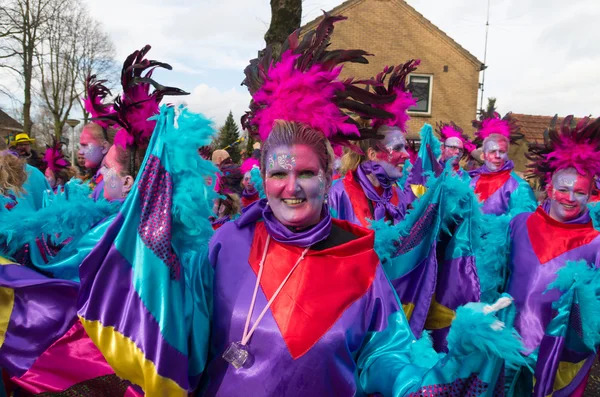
[[394, 33]]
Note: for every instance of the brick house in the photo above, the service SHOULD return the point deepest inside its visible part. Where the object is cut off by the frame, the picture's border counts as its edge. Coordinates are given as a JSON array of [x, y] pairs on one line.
[[9, 126], [447, 81]]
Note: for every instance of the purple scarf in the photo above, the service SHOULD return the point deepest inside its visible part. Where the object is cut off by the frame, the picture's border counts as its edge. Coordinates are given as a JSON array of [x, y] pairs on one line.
[[249, 194], [382, 204], [280, 233], [509, 165]]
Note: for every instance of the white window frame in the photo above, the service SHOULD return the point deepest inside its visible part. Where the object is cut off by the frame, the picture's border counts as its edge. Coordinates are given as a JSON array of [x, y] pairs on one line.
[[430, 77]]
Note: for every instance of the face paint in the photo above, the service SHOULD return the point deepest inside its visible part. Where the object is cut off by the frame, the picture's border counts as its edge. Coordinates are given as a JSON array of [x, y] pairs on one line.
[[569, 194], [114, 184], [49, 174], [391, 153], [295, 187], [247, 182], [453, 147], [91, 149], [495, 154]]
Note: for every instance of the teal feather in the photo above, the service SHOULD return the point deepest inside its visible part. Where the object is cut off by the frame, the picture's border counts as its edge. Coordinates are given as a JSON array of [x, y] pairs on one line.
[[68, 214], [405, 173], [428, 138], [422, 352], [580, 279], [471, 331], [595, 214], [258, 182], [193, 197], [522, 198]]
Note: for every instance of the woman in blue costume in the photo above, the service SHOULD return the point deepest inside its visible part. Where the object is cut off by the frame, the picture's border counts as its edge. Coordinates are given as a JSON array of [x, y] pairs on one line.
[[553, 265], [371, 169]]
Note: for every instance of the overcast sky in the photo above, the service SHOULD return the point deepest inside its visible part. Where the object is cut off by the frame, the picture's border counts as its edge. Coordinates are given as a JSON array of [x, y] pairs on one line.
[[542, 54]]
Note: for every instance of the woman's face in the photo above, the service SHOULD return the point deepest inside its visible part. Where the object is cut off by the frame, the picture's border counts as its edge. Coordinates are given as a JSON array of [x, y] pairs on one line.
[[295, 185], [115, 186], [391, 153], [92, 150], [50, 177], [569, 194]]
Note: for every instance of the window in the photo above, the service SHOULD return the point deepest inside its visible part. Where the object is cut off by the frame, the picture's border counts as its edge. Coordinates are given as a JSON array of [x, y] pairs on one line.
[[420, 86]]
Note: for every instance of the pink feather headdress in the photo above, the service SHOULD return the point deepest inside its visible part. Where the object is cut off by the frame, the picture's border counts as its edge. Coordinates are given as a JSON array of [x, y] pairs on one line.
[[302, 86], [96, 93], [451, 130], [398, 90], [574, 144], [55, 158], [490, 123], [248, 164]]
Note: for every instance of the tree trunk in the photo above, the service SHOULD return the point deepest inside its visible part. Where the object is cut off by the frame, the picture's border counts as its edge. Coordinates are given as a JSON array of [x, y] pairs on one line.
[[286, 16]]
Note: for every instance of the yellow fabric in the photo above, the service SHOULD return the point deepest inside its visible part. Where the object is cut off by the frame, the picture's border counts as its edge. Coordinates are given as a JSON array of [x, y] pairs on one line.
[[7, 301], [565, 374], [418, 190], [129, 362], [4, 261], [408, 309], [439, 316]]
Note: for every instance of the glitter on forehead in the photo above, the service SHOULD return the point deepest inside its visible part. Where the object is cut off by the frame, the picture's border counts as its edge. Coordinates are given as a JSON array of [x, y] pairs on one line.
[[394, 138], [453, 142], [272, 161], [491, 146], [286, 161], [156, 197]]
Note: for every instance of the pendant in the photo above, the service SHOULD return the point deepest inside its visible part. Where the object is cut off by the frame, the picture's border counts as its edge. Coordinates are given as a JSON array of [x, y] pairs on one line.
[[236, 354]]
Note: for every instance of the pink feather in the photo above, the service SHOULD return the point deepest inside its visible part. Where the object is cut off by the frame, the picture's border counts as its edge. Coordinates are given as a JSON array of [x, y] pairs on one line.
[[448, 131], [494, 126], [55, 159], [248, 164], [583, 157], [303, 97], [399, 107]]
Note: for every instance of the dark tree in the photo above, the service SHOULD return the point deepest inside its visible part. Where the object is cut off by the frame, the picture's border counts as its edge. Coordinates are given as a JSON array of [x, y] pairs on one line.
[[228, 138]]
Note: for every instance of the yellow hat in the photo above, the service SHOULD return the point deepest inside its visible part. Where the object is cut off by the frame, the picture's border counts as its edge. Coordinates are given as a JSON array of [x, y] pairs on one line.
[[22, 138]]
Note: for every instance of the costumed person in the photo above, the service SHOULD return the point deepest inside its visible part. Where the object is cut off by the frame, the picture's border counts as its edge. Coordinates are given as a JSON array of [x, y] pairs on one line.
[[97, 136], [12, 179], [22, 145], [553, 266], [371, 169], [219, 155], [499, 188], [165, 212], [58, 168], [456, 145], [225, 209], [301, 304], [250, 193]]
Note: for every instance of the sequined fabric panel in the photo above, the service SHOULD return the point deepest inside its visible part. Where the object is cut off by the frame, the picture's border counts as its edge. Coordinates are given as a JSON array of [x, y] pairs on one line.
[[418, 231], [103, 386], [471, 387], [156, 196], [593, 387]]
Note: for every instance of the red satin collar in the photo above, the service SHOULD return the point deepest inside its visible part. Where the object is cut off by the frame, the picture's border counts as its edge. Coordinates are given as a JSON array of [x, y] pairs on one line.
[[360, 202], [488, 184], [323, 286], [551, 238]]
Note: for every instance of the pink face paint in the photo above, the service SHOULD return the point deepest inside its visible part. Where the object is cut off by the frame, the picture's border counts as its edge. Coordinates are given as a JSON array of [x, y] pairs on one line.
[[49, 174], [495, 154], [569, 194], [91, 149], [295, 185], [114, 184], [453, 147], [391, 152]]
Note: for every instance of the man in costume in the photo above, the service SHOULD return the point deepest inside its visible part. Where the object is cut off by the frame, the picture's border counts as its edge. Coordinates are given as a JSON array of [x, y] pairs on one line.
[[553, 268], [499, 188], [368, 190]]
